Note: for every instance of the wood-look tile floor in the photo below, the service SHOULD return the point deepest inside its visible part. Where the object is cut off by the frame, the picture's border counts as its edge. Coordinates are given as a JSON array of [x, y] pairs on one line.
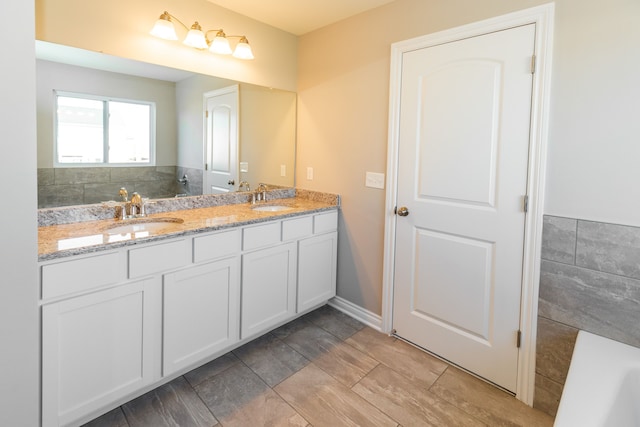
[[325, 369]]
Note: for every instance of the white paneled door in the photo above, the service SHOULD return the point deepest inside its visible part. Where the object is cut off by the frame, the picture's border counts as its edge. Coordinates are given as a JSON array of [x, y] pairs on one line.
[[465, 111], [221, 140]]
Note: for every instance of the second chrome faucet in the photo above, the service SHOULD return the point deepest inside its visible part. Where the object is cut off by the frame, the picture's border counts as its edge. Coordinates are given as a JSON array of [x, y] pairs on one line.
[[260, 194]]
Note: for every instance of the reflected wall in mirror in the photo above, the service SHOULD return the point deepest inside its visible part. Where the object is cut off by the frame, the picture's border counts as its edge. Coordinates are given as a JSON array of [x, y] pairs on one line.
[[267, 126]]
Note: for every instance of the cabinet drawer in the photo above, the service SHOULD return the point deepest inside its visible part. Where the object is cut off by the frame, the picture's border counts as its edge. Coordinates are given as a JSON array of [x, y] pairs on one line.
[[297, 228], [156, 258], [81, 274], [325, 222], [216, 245], [261, 235]]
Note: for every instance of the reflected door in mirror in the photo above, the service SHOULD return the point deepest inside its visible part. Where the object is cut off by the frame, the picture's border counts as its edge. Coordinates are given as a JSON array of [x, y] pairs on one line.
[[221, 140]]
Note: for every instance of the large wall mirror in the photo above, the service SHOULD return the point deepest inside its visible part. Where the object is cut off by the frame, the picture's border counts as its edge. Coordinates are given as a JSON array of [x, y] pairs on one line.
[[266, 124]]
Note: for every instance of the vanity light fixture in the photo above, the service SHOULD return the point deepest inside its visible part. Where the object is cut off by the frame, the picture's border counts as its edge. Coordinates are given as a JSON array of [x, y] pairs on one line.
[[199, 39]]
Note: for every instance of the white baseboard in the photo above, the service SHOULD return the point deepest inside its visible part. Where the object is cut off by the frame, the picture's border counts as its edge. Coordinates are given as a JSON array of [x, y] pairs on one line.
[[363, 315]]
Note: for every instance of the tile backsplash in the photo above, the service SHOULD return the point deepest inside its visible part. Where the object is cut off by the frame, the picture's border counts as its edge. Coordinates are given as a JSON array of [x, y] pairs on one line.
[[590, 280], [86, 185]]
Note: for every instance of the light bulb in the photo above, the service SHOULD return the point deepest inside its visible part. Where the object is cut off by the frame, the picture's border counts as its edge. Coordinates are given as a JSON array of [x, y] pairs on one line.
[[243, 50], [195, 37], [220, 44], [164, 28]]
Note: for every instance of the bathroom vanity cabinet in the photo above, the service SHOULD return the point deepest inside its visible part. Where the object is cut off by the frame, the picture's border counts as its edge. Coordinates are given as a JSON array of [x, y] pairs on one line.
[[118, 323]]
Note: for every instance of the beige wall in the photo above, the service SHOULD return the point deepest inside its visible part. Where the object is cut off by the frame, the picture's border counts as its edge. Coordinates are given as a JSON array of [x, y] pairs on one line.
[[121, 28], [19, 318], [343, 74], [267, 135]]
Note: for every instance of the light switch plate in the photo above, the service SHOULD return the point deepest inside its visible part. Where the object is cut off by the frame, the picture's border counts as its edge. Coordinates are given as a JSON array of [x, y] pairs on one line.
[[309, 173], [244, 166], [283, 170], [374, 180]]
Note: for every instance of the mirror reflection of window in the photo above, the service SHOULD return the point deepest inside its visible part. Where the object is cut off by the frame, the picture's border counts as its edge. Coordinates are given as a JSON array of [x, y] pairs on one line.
[[79, 130], [129, 132], [94, 130]]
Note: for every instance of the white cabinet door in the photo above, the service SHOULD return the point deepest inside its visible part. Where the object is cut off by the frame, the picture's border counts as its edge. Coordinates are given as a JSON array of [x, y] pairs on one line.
[[317, 270], [200, 312], [96, 348], [268, 288]]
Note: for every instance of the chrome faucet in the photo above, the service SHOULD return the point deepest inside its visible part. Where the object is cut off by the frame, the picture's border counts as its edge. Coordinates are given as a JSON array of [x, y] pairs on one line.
[[133, 208], [242, 185], [260, 194], [137, 205], [262, 191]]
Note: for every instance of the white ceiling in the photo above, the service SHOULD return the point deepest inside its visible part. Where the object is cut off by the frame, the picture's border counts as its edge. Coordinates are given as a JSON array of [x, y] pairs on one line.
[[299, 16]]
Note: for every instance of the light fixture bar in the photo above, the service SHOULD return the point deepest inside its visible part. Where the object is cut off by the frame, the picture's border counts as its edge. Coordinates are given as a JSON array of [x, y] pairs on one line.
[[196, 38]]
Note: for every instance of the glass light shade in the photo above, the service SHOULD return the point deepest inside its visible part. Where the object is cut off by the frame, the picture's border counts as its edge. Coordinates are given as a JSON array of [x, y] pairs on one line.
[[164, 28], [195, 37], [243, 50], [220, 44]]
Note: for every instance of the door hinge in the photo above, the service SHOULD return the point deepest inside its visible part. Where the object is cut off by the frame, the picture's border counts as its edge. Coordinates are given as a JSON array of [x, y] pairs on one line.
[[206, 166], [525, 203], [206, 113], [533, 64], [518, 338]]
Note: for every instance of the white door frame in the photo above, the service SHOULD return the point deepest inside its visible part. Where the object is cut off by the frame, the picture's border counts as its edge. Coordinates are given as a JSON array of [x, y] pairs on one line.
[[543, 17]]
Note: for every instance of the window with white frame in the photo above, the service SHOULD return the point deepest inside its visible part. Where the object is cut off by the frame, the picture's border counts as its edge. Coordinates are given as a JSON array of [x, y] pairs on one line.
[[94, 130]]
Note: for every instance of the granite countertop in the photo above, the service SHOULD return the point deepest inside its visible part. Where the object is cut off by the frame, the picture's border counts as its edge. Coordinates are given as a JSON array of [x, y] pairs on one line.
[[62, 240]]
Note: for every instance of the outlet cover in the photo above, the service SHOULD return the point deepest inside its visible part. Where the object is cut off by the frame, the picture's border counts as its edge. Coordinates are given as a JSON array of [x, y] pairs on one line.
[[283, 170], [309, 173], [244, 166], [374, 180]]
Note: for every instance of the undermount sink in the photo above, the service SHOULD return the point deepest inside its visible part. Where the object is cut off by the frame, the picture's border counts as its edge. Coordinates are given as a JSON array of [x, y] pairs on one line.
[[271, 208], [142, 224]]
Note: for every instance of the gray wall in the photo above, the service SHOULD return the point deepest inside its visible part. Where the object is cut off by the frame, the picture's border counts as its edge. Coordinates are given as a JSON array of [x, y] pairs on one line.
[[52, 76], [19, 319], [590, 280]]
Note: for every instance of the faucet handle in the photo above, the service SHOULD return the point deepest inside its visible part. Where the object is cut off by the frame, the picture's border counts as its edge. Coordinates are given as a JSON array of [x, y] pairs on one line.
[[123, 194], [136, 199], [262, 192]]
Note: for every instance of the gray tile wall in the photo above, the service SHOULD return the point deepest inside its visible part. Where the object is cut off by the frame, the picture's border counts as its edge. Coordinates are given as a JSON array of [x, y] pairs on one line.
[[194, 186], [590, 280], [78, 186]]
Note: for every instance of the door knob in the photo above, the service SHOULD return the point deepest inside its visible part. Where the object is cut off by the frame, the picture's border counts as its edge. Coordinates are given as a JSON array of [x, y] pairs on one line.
[[402, 211], [231, 182]]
